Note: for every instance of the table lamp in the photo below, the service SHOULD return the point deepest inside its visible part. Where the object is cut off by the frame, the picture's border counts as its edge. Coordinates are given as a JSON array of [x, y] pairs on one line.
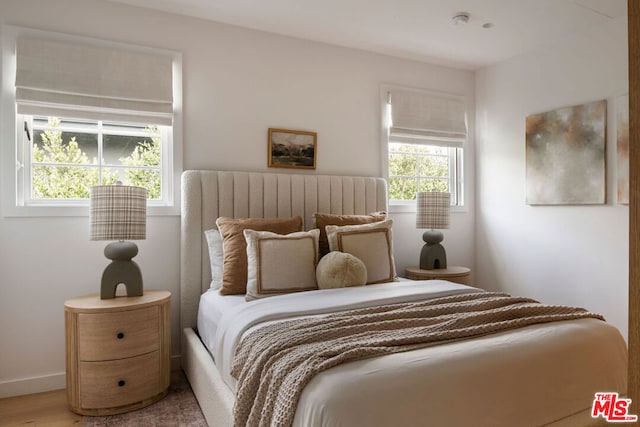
[[433, 214], [119, 212]]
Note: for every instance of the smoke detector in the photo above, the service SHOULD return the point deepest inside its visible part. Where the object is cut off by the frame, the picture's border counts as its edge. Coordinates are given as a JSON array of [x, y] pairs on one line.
[[460, 18]]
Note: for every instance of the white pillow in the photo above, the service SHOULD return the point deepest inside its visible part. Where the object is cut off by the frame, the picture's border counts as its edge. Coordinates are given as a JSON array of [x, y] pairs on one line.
[[216, 256], [371, 243], [278, 264]]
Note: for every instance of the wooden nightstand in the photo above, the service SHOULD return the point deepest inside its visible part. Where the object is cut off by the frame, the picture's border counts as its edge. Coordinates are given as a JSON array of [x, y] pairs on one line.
[[453, 274], [117, 352]]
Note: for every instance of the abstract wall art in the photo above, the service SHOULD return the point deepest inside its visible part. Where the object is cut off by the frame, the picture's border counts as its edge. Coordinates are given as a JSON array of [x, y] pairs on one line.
[[622, 148], [566, 155]]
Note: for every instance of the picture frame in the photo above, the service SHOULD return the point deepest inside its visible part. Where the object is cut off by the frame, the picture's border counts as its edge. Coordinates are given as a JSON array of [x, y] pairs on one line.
[[292, 149]]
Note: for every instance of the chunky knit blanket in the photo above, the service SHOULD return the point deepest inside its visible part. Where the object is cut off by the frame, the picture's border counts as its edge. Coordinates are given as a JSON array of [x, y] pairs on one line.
[[274, 363]]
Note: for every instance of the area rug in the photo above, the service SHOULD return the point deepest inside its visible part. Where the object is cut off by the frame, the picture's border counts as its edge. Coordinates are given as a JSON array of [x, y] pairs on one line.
[[178, 408]]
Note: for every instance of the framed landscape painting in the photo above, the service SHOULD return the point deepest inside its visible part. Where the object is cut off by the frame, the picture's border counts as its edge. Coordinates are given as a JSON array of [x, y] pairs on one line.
[[292, 149], [565, 155]]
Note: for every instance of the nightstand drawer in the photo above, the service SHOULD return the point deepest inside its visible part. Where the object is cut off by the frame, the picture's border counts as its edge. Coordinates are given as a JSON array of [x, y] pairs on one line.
[[119, 382], [117, 335]]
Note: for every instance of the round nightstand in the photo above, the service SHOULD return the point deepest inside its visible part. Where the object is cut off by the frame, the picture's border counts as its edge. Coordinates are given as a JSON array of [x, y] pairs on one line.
[[453, 274], [117, 352]]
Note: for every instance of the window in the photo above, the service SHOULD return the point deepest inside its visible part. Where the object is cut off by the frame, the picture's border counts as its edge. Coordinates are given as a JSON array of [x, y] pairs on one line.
[[84, 112], [416, 167], [424, 140], [64, 158]]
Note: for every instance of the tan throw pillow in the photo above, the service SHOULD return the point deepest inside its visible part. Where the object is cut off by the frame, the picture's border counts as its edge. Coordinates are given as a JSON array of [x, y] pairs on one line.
[[234, 271], [371, 243], [278, 264], [323, 219]]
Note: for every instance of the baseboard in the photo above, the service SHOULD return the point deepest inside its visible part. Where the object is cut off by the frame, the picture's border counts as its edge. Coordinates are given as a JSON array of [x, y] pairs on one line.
[[32, 385], [49, 382]]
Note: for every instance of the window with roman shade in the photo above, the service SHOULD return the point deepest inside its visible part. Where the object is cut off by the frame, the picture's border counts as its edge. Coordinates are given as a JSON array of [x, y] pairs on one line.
[[87, 112], [426, 133]]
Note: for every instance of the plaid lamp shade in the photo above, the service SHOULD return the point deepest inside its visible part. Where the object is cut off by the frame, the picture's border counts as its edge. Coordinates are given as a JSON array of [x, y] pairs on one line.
[[118, 212], [433, 210]]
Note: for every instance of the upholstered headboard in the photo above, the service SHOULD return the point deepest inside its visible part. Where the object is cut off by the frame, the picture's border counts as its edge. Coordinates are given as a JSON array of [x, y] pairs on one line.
[[207, 195]]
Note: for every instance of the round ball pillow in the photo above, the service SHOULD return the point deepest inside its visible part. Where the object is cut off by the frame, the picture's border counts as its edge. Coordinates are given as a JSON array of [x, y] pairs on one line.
[[339, 270]]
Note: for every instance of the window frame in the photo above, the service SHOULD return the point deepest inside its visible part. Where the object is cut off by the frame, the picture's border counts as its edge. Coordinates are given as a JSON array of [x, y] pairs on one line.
[[25, 162], [451, 157], [457, 160], [12, 188]]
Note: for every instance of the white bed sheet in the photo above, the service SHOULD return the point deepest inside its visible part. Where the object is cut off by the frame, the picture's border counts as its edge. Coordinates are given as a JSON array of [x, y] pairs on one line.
[[211, 308], [529, 376], [241, 319]]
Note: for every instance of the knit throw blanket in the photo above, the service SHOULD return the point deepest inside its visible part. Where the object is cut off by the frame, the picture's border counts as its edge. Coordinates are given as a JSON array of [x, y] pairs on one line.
[[274, 363]]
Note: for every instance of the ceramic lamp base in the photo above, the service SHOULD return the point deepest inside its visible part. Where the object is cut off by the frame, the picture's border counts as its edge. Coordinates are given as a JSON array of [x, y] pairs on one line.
[[433, 255], [122, 270]]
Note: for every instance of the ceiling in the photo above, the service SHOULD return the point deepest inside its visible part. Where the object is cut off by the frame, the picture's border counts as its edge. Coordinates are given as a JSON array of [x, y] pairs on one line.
[[415, 29]]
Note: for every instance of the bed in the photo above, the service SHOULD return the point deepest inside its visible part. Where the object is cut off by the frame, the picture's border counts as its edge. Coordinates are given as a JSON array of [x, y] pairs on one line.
[[541, 374]]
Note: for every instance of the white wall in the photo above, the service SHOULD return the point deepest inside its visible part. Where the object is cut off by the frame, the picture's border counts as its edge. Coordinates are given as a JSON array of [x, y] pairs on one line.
[[576, 255], [237, 83]]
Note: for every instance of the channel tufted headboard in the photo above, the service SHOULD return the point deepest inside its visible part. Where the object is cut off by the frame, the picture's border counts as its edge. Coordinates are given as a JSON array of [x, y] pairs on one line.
[[207, 195]]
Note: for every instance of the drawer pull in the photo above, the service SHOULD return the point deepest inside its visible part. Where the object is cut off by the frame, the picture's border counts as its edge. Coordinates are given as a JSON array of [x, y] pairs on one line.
[[120, 335], [121, 383]]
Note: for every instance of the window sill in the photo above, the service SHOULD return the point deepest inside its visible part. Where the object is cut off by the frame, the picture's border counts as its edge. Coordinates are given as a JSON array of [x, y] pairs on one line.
[[410, 207], [75, 211]]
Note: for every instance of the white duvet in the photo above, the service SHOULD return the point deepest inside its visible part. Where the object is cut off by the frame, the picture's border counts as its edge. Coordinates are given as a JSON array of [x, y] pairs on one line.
[[530, 376]]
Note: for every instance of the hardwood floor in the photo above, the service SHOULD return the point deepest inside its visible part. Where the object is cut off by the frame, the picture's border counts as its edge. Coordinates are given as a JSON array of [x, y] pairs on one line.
[[42, 409]]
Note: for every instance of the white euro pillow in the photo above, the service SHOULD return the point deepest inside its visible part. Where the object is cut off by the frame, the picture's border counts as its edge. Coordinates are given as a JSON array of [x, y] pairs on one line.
[[216, 256]]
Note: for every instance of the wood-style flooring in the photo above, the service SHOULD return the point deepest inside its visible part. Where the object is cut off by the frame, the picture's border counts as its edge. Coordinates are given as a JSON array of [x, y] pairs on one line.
[[42, 409]]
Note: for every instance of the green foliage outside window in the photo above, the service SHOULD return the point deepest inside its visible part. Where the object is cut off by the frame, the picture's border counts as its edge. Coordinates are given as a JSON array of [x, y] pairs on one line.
[[145, 154], [61, 170], [414, 168]]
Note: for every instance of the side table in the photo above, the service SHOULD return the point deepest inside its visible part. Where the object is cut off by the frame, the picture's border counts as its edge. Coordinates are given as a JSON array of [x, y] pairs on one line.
[[455, 274], [117, 352]]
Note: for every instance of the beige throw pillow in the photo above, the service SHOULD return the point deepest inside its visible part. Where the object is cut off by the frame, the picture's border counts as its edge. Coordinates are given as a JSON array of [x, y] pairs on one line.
[[371, 243], [278, 264], [340, 270], [234, 272], [323, 219]]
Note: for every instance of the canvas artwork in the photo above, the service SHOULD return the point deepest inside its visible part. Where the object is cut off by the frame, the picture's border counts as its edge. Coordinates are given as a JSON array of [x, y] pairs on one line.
[[622, 140], [292, 149], [565, 155]]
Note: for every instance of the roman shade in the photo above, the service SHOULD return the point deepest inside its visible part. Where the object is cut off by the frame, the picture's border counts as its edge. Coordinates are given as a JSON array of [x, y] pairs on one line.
[[91, 81], [422, 118]]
